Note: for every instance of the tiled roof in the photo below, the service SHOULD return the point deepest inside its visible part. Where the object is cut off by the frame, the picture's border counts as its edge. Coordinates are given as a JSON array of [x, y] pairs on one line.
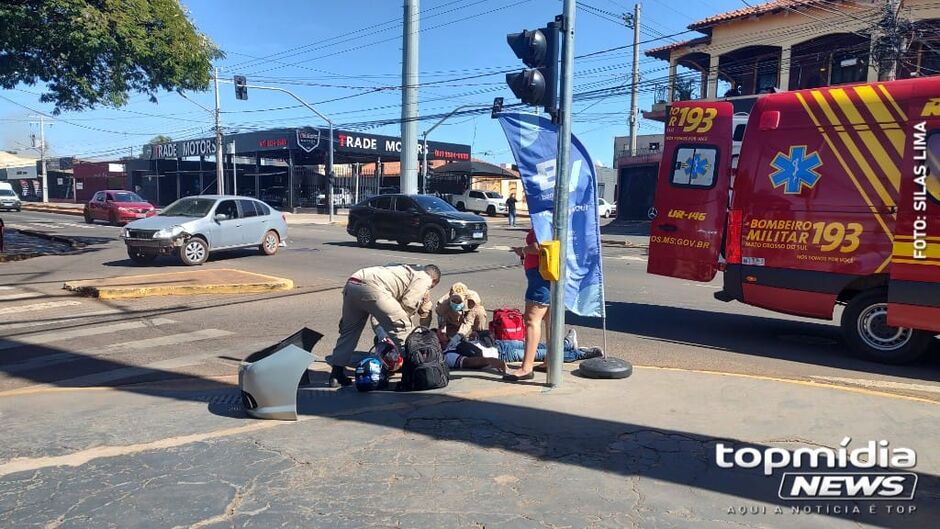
[[662, 52], [760, 9]]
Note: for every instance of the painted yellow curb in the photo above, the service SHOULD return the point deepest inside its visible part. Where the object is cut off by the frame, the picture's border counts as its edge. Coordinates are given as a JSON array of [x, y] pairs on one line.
[[253, 283]]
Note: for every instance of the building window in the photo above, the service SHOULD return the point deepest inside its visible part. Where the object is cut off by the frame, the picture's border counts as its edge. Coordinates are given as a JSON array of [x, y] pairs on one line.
[[848, 67]]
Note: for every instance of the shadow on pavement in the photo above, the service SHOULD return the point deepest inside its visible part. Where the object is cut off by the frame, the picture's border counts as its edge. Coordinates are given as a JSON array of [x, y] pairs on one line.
[[627, 449], [820, 344]]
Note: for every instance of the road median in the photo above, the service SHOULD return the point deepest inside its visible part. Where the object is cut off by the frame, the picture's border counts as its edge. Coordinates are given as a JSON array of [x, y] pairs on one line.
[[189, 283]]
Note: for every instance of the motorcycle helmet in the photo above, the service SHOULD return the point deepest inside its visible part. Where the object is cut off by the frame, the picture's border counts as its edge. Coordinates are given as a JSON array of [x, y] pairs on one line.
[[389, 355], [371, 375]]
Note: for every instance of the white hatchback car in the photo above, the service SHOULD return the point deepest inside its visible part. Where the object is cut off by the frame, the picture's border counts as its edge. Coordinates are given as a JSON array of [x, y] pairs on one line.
[[606, 209]]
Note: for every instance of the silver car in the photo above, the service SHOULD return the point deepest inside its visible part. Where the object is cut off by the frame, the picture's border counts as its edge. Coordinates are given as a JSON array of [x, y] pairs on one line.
[[192, 227]]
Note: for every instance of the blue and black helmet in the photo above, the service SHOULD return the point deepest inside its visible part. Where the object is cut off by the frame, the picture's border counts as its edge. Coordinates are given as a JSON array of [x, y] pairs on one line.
[[371, 374]]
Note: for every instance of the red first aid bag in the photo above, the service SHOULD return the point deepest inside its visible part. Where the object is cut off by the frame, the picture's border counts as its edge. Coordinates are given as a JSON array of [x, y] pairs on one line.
[[507, 324]]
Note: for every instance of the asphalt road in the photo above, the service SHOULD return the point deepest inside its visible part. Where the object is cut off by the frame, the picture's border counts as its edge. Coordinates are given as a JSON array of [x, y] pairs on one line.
[[50, 337]]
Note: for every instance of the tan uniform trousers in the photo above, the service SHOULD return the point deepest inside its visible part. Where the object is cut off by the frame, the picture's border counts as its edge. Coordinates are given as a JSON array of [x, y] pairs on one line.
[[359, 302]]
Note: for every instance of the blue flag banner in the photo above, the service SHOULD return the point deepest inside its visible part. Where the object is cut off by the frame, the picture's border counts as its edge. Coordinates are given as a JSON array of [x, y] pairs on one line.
[[534, 143]]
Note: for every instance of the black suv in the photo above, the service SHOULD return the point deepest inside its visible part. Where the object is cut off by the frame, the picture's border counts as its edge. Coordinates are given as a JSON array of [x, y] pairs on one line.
[[415, 218]]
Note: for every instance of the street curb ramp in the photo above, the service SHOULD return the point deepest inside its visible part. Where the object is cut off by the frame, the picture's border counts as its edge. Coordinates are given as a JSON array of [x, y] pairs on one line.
[[189, 283]]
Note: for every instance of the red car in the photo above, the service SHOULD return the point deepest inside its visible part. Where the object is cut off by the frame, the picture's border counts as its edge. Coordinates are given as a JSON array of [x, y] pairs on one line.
[[117, 207]]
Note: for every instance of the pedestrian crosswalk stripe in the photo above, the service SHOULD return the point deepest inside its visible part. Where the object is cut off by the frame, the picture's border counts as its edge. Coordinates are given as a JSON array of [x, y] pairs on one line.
[[5, 327], [58, 336], [173, 339], [105, 377], [22, 295], [61, 358], [497, 248], [39, 306]]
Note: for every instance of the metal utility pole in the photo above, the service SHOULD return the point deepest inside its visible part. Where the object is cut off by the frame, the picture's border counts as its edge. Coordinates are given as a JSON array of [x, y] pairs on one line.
[[634, 22], [424, 154], [562, 177], [234, 171], [42, 155], [219, 169], [409, 99]]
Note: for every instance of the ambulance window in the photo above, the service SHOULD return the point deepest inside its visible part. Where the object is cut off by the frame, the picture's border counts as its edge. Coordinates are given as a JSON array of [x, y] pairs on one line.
[[694, 166]]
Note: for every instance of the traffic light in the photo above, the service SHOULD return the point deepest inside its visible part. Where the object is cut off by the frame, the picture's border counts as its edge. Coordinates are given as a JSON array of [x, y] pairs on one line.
[[241, 87], [538, 84]]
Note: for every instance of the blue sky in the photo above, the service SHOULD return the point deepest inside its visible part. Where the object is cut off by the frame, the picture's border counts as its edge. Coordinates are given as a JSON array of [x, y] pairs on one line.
[[345, 57]]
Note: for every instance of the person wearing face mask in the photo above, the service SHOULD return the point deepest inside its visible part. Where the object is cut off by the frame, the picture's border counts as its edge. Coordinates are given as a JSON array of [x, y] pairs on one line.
[[461, 311]]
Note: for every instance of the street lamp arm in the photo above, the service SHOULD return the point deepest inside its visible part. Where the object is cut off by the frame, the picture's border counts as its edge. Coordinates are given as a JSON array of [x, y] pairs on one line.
[[299, 100], [424, 153]]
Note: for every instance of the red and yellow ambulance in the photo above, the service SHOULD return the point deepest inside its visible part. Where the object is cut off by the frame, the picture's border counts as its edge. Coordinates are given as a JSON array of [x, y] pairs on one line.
[[835, 201]]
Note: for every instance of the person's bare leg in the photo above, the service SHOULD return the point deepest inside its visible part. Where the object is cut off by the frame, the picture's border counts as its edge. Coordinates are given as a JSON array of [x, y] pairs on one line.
[[534, 314]]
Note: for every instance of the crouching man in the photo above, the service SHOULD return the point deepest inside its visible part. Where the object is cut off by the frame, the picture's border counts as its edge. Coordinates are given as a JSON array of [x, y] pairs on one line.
[[391, 295]]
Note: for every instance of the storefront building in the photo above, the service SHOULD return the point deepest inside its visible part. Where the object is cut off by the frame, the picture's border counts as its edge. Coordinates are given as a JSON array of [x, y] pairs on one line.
[[284, 167]]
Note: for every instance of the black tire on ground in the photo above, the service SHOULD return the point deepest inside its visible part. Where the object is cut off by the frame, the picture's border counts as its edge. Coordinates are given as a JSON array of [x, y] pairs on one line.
[[194, 251], [461, 206], [270, 243], [433, 241], [89, 219], [605, 367], [112, 219], [470, 247], [491, 211], [364, 237], [607, 214], [867, 333], [402, 244], [139, 256]]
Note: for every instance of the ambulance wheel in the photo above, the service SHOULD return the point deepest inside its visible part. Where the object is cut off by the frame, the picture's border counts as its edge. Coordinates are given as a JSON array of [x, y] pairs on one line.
[[867, 333], [605, 367]]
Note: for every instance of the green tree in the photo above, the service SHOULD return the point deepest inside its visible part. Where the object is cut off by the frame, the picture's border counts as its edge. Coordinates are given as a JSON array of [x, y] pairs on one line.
[[94, 52], [160, 139]]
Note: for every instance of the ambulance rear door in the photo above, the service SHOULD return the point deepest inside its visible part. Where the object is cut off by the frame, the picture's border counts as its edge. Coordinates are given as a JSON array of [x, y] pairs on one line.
[[914, 289], [690, 209]]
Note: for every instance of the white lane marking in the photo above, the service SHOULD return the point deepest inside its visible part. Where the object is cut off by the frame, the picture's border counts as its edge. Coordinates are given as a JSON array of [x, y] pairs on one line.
[[128, 372], [173, 339], [701, 285], [61, 358], [497, 248], [24, 295], [632, 258], [880, 384], [58, 336], [57, 321], [6, 288], [39, 306]]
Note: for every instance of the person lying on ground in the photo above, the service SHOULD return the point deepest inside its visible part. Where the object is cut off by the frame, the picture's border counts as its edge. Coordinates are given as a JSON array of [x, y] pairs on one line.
[[474, 353]]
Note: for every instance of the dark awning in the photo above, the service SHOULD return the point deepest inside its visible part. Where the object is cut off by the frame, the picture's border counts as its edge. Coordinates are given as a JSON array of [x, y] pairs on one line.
[[472, 168]]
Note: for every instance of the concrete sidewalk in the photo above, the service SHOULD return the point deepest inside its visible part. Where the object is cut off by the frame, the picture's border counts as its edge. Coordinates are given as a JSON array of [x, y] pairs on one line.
[[639, 452], [189, 283]]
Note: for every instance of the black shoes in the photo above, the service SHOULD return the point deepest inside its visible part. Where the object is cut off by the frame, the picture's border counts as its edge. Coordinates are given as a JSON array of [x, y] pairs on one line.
[[590, 352], [517, 378], [338, 377]]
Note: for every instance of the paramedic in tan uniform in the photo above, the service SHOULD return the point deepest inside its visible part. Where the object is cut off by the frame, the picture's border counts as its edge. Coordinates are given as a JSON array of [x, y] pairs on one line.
[[391, 295], [461, 312]]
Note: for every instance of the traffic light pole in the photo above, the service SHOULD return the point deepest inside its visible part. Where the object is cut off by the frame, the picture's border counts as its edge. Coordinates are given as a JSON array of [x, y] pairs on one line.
[[560, 215]]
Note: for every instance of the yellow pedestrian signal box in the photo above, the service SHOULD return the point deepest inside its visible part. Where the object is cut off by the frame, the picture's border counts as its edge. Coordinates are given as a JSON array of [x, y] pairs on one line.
[[549, 261]]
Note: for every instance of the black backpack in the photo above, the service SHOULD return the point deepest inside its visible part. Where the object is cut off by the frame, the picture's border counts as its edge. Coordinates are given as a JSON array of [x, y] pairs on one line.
[[424, 366]]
